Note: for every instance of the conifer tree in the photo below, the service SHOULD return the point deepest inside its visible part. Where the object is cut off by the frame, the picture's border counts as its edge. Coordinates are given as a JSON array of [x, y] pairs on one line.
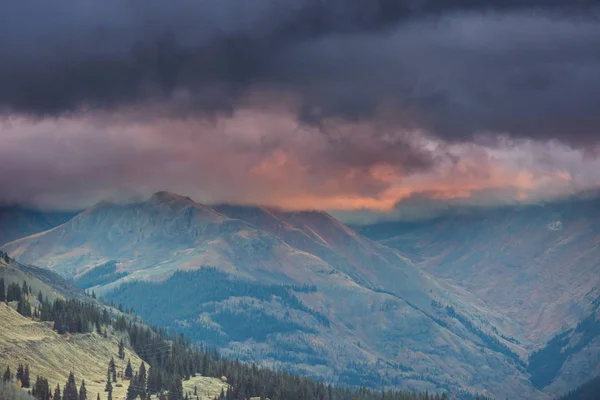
[[24, 307], [20, 373], [41, 389], [82, 391], [108, 387], [7, 375], [175, 389], [113, 369], [13, 292], [121, 350], [57, 395], [2, 290], [128, 370], [25, 382], [142, 375], [98, 397], [132, 390], [25, 289], [70, 391]]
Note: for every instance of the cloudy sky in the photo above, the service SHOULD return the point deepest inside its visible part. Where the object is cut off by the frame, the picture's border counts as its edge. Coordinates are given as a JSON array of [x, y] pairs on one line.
[[352, 106]]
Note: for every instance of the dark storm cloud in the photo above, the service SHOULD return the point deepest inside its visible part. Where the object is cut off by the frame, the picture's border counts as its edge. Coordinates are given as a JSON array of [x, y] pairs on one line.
[[526, 67]]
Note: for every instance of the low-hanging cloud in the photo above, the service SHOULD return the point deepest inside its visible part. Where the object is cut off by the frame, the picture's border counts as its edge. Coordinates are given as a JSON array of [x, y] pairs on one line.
[[338, 105], [263, 157]]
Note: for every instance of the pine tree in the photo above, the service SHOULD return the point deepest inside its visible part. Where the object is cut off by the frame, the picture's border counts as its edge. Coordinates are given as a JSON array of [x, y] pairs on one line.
[[7, 375], [108, 387], [24, 307], [82, 391], [2, 290], [70, 391], [25, 382], [132, 390], [142, 375], [57, 395], [41, 389], [121, 350], [113, 369], [25, 289], [175, 389], [98, 397], [13, 292], [20, 373], [128, 370]]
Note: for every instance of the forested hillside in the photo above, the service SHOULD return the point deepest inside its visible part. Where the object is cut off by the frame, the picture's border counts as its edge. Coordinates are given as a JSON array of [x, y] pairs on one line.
[[172, 360], [588, 391]]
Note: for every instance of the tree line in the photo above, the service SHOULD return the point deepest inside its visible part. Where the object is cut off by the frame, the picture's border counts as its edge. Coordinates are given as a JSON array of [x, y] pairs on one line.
[[171, 357]]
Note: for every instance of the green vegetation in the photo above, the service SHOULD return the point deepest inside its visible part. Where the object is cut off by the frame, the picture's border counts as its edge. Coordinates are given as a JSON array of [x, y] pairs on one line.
[[100, 275], [171, 357], [545, 364], [587, 391], [186, 294], [490, 342]]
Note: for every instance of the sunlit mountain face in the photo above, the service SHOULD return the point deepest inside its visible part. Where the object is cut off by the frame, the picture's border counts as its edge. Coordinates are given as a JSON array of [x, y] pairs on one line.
[[403, 193]]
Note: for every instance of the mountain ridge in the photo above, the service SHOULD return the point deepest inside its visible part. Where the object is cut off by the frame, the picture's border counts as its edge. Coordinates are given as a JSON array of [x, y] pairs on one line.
[[370, 293], [534, 264]]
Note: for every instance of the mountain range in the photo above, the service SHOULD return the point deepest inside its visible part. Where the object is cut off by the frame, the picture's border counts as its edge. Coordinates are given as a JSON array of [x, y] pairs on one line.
[[538, 265], [468, 303]]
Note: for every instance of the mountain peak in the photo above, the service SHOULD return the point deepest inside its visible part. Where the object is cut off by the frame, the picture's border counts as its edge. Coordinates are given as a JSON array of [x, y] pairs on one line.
[[165, 196]]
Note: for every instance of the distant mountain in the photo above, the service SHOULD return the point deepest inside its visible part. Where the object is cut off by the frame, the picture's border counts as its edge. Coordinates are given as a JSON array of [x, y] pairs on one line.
[[295, 290], [538, 265], [17, 222]]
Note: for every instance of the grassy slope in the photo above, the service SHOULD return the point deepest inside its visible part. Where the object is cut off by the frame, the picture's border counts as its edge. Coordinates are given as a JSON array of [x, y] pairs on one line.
[[51, 355], [23, 340]]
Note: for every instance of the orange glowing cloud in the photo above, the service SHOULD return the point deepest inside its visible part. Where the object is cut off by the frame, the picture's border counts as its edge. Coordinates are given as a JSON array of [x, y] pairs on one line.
[[266, 157]]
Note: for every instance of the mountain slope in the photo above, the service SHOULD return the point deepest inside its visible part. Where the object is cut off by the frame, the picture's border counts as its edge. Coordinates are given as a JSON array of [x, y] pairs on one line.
[[17, 222], [338, 306], [53, 356], [537, 265], [24, 341], [39, 280]]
